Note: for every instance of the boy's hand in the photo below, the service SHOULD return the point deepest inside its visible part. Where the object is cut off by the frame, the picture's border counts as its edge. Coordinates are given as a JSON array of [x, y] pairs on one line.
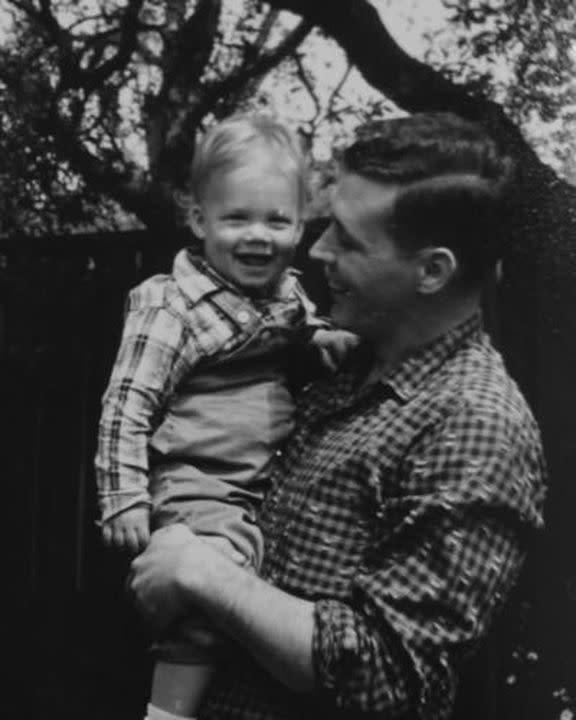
[[334, 345], [128, 531]]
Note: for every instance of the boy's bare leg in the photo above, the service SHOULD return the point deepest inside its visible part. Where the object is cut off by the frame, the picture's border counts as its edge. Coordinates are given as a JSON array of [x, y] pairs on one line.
[[178, 689]]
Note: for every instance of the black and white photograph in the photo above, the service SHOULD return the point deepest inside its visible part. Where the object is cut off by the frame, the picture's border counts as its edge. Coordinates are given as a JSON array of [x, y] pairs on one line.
[[288, 359]]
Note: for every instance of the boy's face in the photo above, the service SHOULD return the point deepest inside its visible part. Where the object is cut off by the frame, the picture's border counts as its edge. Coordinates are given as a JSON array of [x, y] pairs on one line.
[[249, 219]]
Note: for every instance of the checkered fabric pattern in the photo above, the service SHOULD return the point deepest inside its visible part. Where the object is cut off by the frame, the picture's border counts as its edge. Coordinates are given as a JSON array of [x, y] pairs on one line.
[[402, 510], [172, 323]]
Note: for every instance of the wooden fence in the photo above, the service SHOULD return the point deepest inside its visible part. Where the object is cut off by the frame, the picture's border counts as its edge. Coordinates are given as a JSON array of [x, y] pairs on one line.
[[76, 648], [61, 303]]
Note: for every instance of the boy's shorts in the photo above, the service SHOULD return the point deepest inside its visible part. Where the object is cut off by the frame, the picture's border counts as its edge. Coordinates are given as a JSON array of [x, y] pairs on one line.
[[228, 527]]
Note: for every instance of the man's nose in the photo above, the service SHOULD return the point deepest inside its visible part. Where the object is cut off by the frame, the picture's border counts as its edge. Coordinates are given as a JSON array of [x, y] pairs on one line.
[[321, 249]]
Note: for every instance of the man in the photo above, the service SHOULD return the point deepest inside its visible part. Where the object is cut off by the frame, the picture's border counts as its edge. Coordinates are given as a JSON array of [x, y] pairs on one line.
[[399, 512]]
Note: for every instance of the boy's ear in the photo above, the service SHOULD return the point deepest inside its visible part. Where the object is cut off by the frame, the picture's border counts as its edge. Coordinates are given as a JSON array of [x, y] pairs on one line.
[[438, 265], [196, 218]]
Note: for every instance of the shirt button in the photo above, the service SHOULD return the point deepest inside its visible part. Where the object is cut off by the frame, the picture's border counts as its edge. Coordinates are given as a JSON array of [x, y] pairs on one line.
[[243, 316], [350, 641]]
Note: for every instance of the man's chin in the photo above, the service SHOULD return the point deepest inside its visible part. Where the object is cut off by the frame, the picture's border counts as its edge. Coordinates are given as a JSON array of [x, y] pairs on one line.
[[340, 318]]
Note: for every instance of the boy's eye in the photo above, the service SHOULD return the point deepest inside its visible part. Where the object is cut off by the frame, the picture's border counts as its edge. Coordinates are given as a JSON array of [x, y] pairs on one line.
[[235, 217], [279, 221]]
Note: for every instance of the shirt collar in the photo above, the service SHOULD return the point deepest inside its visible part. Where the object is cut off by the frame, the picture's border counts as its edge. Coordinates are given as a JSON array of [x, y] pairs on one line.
[[407, 378], [198, 279]]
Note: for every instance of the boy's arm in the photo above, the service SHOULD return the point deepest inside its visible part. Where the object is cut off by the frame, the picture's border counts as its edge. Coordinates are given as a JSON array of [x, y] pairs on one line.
[[331, 343], [312, 319], [153, 356]]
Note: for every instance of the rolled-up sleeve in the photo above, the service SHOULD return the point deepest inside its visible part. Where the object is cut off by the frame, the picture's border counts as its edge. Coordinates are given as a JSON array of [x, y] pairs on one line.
[[447, 548]]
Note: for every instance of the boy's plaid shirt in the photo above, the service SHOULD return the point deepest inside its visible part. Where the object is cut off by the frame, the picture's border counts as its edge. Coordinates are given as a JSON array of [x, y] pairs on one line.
[[172, 323], [402, 510]]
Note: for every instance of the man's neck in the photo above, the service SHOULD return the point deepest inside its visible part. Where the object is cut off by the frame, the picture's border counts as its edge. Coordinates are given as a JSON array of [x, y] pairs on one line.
[[421, 329]]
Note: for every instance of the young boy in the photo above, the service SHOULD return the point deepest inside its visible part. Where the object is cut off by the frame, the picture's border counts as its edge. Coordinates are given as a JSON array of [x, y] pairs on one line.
[[198, 401]]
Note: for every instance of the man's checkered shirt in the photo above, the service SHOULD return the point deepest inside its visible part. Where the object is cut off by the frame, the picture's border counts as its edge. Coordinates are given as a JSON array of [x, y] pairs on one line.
[[402, 510]]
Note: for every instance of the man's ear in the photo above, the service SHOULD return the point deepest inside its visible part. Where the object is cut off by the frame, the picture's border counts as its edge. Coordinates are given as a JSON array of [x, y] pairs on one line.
[[438, 265], [197, 223]]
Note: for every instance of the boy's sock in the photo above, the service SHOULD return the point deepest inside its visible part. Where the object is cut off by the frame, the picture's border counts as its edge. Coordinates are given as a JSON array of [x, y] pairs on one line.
[[156, 713]]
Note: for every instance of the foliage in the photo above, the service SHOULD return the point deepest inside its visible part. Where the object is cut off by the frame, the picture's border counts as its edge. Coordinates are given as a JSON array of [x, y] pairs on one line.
[[521, 54], [102, 100]]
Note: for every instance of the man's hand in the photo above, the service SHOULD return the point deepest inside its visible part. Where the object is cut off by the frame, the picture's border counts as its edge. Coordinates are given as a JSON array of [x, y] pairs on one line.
[[176, 562], [334, 345], [179, 571], [128, 531]]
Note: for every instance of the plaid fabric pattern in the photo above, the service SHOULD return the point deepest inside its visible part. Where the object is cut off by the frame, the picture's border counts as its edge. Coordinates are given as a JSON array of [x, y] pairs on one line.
[[401, 509], [172, 323]]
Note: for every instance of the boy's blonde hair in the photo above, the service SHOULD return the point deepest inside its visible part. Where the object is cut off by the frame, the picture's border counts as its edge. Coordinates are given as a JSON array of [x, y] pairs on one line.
[[230, 142]]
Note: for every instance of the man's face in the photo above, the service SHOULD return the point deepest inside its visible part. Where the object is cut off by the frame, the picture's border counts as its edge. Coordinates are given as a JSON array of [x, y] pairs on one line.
[[373, 284], [250, 221]]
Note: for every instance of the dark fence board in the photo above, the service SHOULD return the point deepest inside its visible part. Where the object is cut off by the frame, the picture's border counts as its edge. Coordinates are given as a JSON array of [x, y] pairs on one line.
[[61, 303]]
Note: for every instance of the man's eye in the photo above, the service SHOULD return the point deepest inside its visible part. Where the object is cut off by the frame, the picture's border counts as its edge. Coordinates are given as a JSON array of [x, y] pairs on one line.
[[343, 239]]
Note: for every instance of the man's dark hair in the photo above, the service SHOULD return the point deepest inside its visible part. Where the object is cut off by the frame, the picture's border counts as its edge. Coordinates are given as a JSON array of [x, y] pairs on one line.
[[454, 182]]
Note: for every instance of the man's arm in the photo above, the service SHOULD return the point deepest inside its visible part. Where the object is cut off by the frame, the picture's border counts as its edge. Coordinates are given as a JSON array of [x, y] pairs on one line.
[[179, 570], [426, 598], [452, 547]]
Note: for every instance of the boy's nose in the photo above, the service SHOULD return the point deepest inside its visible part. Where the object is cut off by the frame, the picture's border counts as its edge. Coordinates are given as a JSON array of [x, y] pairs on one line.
[[257, 232]]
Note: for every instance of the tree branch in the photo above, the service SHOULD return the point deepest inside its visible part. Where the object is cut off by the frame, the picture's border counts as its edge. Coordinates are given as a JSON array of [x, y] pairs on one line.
[[72, 76], [411, 84], [186, 115], [130, 188], [67, 60], [184, 62], [191, 48], [266, 28], [248, 76], [129, 27], [336, 91], [309, 87], [264, 63]]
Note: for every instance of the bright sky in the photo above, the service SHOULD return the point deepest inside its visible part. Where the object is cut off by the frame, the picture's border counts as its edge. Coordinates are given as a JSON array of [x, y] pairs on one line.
[[407, 20], [408, 25]]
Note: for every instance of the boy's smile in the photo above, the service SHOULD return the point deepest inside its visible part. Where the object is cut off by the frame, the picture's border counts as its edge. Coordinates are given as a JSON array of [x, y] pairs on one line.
[[249, 219]]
